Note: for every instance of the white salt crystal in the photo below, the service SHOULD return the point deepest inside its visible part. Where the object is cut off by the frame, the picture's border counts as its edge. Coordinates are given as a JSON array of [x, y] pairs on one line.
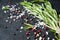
[[12, 9], [11, 17], [53, 39], [14, 19], [21, 27], [5, 11], [46, 33], [40, 38], [48, 38], [6, 20], [20, 31], [27, 37], [7, 17], [17, 17], [41, 23], [42, 27]]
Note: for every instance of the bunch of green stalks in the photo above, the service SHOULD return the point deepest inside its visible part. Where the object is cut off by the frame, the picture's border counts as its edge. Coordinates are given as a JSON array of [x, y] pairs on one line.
[[43, 11]]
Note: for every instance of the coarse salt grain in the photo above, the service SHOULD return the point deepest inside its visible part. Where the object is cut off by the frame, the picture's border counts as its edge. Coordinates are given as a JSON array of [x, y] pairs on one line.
[[6, 20], [18, 7], [46, 33], [34, 32], [36, 39], [5, 11], [10, 21], [37, 35], [7, 17], [19, 11], [28, 10], [21, 27], [20, 31], [48, 38], [11, 17], [14, 19], [17, 17], [43, 27], [10, 13], [34, 27], [22, 13], [38, 25], [14, 16], [13, 6], [30, 19], [53, 39], [40, 38], [12, 9], [17, 4], [27, 37], [41, 23], [26, 20]]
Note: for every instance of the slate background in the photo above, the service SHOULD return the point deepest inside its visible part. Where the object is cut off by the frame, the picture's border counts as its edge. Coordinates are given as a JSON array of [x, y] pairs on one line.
[[6, 33]]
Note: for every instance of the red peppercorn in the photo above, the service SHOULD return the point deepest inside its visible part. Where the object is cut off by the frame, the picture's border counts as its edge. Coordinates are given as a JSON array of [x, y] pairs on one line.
[[33, 30], [38, 31], [27, 33], [35, 33]]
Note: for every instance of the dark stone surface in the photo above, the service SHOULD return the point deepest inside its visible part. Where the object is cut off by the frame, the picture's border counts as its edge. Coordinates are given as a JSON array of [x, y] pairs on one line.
[[11, 31], [56, 4]]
